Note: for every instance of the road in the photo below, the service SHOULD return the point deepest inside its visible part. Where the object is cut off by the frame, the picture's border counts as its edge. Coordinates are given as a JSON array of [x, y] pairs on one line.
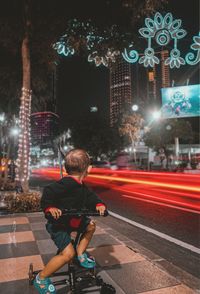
[[164, 207]]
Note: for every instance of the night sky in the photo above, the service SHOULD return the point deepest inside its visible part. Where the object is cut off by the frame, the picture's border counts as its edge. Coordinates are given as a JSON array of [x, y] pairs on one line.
[[80, 84]]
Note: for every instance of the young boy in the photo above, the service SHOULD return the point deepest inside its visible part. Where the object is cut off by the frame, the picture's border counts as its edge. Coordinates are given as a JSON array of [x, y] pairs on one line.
[[68, 193]]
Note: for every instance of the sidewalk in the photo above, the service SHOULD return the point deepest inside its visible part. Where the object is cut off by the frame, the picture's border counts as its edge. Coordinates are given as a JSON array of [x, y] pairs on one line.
[[24, 240]]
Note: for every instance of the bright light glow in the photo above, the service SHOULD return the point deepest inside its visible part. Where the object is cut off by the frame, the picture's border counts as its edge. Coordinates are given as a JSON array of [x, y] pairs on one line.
[[168, 127], [156, 115], [2, 117], [152, 183], [135, 107], [14, 131], [44, 162]]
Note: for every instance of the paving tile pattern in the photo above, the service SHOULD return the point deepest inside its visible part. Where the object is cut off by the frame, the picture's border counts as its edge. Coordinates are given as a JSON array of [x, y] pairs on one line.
[[24, 240]]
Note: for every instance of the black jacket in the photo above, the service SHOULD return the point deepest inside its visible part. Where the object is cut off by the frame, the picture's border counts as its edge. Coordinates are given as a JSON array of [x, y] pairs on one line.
[[67, 193]]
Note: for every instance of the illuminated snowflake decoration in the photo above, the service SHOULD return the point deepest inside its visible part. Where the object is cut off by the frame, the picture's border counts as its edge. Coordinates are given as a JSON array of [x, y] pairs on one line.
[[109, 57], [100, 45], [62, 49], [149, 58], [175, 60], [78, 36], [190, 57], [132, 56], [163, 31]]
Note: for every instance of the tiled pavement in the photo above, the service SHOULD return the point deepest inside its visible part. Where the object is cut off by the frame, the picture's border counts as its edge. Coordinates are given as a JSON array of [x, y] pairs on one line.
[[24, 240]]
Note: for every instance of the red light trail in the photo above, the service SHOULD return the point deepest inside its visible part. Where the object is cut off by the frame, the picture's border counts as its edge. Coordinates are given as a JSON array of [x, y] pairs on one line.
[[180, 191]]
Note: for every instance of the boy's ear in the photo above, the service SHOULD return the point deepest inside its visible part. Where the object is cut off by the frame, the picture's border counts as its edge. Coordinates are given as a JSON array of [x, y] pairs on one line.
[[89, 169]]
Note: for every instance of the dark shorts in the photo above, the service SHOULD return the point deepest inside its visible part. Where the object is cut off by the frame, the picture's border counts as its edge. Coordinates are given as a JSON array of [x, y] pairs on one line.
[[61, 235]]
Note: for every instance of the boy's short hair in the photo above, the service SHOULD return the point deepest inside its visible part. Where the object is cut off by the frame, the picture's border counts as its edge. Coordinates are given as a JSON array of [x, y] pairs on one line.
[[76, 161]]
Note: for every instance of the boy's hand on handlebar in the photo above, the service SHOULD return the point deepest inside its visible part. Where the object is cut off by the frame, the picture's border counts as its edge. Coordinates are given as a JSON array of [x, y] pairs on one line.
[[55, 212], [101, 209]]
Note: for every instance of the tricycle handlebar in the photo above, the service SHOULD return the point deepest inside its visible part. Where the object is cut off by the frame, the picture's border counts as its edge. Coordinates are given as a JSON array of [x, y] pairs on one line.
[[78, 213]]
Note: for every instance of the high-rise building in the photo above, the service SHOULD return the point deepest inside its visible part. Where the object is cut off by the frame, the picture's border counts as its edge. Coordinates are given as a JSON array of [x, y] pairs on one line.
[[158, 77], [120, 89], [44, 128], [152, 85], [165, 69]]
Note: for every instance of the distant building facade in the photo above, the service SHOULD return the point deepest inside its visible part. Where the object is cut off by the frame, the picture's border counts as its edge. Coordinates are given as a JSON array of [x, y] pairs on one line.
[[152, 85], [158, 77], [44, 128], [165, 69], [120, 89]]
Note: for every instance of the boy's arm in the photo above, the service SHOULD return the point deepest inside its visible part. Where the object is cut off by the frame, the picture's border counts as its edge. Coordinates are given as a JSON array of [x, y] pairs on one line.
[[100, 207], [94, 202], [47, 199], [48, 203]]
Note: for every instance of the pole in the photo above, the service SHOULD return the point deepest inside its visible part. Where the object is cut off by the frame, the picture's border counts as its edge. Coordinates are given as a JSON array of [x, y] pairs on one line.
[[60, 162], [61, 156], [176, 147]]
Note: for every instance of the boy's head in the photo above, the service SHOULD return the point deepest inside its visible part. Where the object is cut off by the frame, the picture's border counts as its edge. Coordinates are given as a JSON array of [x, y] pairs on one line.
[[77, 162]]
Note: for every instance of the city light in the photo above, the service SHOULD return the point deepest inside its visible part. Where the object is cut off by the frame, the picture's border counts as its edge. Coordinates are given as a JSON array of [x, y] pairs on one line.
[[135, 107], [15, 131], [156, 115], [2, 117]]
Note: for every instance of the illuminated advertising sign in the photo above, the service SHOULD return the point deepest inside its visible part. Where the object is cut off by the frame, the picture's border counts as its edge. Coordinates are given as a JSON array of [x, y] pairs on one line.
[[181, 101]]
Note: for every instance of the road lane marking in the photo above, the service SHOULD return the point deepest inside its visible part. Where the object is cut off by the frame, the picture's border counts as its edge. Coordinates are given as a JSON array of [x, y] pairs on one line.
[[157, 233], [159, 184], [161, 203]]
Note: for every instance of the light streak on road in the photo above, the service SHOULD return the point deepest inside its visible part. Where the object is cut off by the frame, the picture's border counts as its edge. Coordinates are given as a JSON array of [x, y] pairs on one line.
[[144, 182], [177, 191]]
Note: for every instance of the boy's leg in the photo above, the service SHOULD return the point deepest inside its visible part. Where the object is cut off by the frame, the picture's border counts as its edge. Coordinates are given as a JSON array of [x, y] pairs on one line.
[[58, 261], [86, 237]]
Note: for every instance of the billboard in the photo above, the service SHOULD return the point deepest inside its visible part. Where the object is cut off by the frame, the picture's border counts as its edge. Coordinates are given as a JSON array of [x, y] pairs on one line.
[[181, 101]]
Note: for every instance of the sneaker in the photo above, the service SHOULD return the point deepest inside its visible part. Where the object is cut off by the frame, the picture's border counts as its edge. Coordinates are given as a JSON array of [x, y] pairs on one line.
[[44, 286], [86, 261]]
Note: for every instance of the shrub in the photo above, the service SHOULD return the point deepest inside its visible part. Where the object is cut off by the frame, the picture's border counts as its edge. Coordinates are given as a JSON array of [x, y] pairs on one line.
[[23, 202]]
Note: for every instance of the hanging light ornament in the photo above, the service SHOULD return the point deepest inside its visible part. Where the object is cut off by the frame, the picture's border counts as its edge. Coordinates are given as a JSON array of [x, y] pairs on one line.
[[190, 57], [163, 30], [100, 46]]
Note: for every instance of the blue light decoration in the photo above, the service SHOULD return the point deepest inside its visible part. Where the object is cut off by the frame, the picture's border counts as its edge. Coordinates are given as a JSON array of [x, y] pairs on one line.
[[100, 45], [110, 56], [132, 56], [78, 36], [62, 49], [84, 37], [190, 57], [163, 30]]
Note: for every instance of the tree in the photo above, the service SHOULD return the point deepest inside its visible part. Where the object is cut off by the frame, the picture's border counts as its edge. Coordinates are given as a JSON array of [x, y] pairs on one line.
[[20, 28], [94, 134], [163, 133], [34, 26], [130, 127]]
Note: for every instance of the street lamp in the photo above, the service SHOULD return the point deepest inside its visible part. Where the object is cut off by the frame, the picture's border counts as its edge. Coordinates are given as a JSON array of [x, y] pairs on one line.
[[135, 107], [14, 131], [2, 117], [156, 115]]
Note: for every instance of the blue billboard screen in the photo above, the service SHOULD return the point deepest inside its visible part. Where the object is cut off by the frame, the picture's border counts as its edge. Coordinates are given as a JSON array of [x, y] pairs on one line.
[[181, 101]]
